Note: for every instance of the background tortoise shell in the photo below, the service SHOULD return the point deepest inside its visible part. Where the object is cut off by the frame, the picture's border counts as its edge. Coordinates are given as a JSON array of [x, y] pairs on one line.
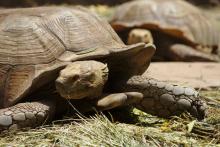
[[177, 18]]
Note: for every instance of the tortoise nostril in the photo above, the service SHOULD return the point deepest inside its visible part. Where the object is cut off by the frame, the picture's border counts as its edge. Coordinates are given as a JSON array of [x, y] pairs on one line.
[[74, 78]]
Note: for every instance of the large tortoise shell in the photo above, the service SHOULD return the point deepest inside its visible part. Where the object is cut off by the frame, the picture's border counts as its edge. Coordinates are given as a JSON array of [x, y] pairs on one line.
[[35, 43]]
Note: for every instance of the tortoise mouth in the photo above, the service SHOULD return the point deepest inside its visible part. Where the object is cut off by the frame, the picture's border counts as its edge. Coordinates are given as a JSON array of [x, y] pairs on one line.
[[72, 90], [78, 91]]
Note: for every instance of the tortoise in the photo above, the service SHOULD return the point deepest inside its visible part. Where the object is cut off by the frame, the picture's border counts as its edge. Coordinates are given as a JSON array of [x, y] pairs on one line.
[[53, 56], [180, 30]]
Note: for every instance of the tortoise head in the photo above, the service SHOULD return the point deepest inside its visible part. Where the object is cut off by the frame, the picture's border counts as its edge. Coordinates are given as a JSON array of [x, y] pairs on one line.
[[82, 79], [139, 35]]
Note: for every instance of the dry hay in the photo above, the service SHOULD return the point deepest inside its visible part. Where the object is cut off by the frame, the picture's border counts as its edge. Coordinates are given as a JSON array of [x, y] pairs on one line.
[[148, 130]]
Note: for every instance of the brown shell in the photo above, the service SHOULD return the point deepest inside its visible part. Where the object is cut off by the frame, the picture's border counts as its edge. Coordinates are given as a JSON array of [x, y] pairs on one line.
[[175, 17], [35, 43]]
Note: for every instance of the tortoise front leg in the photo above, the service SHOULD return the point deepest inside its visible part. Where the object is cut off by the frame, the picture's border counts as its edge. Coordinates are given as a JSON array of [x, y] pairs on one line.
[[182, 52], [28, 114], [110, 101], [164, 99]]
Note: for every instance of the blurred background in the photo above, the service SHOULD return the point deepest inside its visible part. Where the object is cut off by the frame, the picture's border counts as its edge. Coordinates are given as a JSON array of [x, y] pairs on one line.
[[32, 3]]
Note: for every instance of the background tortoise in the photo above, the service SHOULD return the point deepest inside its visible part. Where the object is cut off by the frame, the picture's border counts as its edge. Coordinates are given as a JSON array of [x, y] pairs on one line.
[[180, 30], [42, 45]]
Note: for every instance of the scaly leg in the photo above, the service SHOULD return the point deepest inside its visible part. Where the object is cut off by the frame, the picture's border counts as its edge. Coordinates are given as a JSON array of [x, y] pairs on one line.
[[164, 99], [28, 114]]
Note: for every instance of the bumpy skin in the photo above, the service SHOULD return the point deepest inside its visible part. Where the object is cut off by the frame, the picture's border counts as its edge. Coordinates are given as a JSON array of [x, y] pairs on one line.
[[28, 114], [164, 99]]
